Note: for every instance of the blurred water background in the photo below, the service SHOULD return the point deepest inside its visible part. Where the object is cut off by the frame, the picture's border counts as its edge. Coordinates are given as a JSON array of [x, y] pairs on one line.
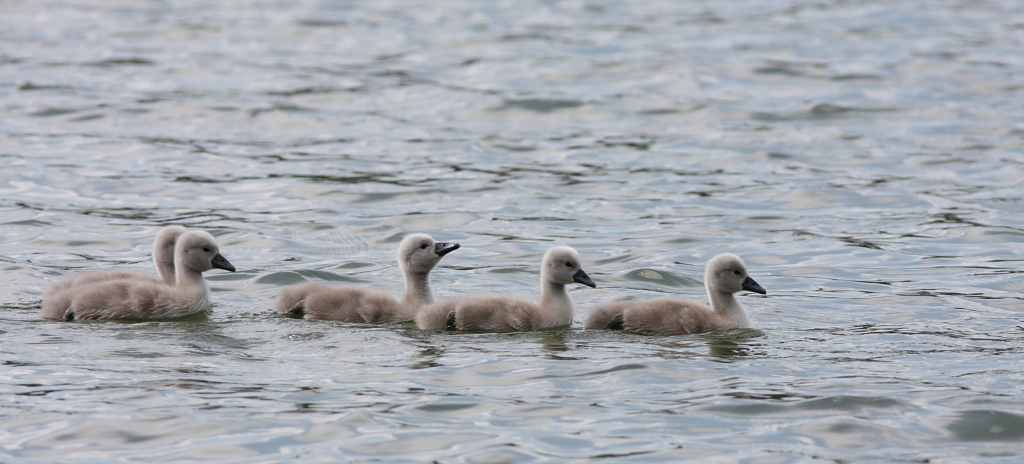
[[864, 158]]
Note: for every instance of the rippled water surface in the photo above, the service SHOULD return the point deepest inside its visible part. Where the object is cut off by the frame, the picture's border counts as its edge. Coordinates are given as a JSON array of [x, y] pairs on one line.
[[864, 158]]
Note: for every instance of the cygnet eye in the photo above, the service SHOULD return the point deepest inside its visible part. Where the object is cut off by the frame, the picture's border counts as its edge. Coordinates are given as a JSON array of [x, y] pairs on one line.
[[737, 272], [568, 264], [423, 246], [207, 249]]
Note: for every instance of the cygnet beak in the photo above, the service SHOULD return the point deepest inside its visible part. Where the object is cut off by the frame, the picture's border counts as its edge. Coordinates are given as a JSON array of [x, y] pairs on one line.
[[220, 263], [581, 277], [443, 248], [751, 286]]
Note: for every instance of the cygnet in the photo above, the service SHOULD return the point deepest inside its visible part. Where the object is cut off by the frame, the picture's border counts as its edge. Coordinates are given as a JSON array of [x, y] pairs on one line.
[[163, 259], [417, 256], [725, 275], [499, 313], [136, 297]]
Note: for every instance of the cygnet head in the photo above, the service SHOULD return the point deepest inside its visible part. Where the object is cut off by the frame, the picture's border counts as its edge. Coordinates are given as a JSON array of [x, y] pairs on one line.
[[727, 273], [561, 265], [419, 253], [197, 250]]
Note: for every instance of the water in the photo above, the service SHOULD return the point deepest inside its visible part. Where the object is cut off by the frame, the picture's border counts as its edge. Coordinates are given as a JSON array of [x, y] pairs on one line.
[[864, 158]]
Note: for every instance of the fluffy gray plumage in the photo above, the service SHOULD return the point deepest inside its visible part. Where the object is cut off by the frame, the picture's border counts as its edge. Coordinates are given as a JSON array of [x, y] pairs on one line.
[[725, 275], [136, 297], [418, 254], [499, 313], [163, 260]]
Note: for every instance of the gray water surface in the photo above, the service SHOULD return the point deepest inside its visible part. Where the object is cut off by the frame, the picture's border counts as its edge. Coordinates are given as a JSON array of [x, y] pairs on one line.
[[864, 158]]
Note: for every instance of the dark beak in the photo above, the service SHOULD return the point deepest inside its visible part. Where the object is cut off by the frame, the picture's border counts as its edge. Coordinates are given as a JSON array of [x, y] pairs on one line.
[[220, 263], [581, 277], [443, 248], [751, 286]]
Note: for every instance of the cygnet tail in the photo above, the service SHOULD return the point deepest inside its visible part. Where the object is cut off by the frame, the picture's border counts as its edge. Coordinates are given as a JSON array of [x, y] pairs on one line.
[[605, 317], [291, 298]]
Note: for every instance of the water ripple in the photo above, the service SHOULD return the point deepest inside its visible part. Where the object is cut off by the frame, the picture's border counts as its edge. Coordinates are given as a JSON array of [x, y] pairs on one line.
[[863, 158]]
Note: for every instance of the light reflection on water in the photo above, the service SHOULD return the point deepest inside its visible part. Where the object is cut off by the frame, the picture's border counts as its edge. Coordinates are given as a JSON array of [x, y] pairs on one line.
[[864, 159]]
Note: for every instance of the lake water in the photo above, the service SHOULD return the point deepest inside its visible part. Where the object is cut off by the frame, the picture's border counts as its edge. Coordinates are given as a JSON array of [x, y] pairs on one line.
[[864, 158]]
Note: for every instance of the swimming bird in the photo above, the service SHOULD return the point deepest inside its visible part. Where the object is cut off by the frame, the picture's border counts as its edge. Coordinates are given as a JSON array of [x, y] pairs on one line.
[[500, 313], [163, 260], [136, 297], [417, 256], [725, 275]]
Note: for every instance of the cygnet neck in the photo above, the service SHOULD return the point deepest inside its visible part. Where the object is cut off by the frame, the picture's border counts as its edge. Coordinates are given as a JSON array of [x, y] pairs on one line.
[[728, 307], [166, 270], [556, 301], [186, 277], [164, 252], [417, 290]]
